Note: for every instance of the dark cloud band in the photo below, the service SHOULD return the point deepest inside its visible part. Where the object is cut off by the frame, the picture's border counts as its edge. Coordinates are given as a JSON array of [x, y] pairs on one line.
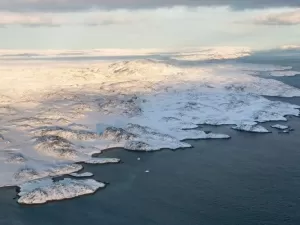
[[78, 5]]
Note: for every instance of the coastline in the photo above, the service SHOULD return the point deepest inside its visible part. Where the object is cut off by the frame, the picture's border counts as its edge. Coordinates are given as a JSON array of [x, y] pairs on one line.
[[207, 181]]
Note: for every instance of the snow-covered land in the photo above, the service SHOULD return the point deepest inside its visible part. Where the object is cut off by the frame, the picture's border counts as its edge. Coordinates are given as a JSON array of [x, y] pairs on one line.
[[217, 53], [263, 70], [86, 174], [280, 126], [254, 128], [55, 114], [44, 190]]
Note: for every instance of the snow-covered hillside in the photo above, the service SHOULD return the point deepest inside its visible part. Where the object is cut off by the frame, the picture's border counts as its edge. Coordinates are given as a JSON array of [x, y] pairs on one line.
[[56, 114], [219, 53]]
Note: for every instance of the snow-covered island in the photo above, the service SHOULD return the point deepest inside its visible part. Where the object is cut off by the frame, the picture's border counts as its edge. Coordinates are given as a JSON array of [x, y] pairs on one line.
[[44, 190], [56, 114], [254, 128], [280, 127], [86, 174]]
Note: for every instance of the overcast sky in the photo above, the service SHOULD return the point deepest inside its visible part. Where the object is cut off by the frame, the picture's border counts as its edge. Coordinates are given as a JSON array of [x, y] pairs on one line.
[[85, 24]]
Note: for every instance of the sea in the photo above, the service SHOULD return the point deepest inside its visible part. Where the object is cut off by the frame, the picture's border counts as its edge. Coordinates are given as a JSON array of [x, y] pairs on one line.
[[251, 179]]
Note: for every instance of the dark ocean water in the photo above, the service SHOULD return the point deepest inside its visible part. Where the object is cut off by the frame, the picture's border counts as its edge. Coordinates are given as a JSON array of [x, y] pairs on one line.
[[251, 179]]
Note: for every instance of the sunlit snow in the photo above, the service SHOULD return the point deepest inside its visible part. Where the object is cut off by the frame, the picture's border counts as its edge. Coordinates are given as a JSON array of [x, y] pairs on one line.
[[56, 114]]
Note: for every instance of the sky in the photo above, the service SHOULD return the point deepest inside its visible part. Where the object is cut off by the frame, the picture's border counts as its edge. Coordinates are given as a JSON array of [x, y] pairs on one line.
[[88, 24]]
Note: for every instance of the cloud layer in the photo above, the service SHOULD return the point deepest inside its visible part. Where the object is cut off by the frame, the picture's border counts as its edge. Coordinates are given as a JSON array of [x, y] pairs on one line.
[[32, 20], [98, 18], [75, 5], [285, 18]]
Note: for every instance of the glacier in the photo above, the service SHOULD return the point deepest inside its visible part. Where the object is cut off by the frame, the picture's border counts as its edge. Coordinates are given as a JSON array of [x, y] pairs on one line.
[[52, 127]]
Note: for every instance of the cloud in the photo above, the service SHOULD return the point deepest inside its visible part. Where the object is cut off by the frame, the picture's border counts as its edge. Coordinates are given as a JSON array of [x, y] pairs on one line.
[[97, 18], [290, 47], [106, 22], [31, 20], [79, 5], [284, 18], [110, 18]]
